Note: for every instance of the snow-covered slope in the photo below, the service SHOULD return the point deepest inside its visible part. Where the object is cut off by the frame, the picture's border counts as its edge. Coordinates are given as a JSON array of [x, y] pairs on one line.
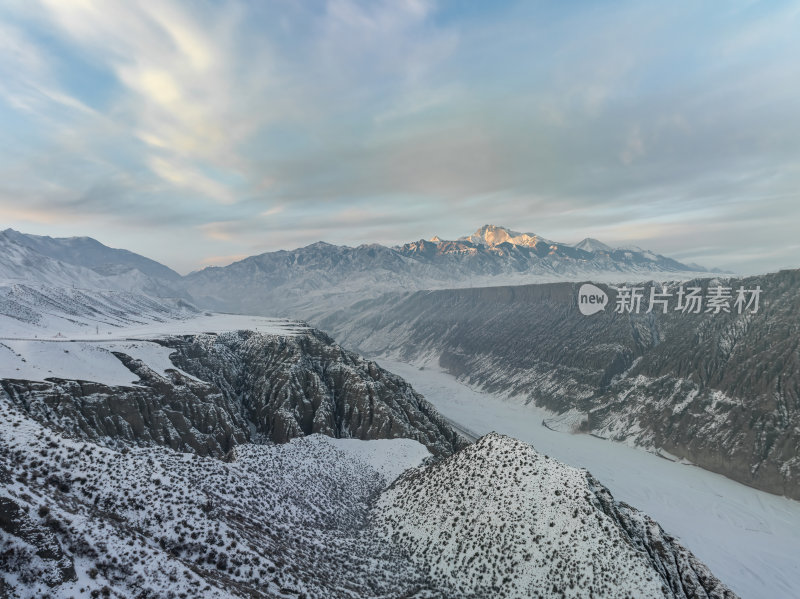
[[271, 521], [83, 263], [747, 537], [66, 314], [308, 519], [21, 264], [89, 253], [593, 245], [498, 519], [35, 310]]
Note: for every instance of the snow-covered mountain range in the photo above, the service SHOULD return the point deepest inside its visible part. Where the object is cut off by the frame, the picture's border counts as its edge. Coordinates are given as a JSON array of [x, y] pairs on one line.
[[152, 459], [82, 263], [294, 283], [297, 282]]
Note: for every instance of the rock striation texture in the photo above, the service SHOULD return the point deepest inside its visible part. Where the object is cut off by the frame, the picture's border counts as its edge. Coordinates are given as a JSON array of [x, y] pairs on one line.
[[171, 410], [240, 387], [720, 390], [294, 386]]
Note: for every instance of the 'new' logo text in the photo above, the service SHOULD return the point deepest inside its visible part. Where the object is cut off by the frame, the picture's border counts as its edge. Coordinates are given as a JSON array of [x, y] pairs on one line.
[[591, 299]]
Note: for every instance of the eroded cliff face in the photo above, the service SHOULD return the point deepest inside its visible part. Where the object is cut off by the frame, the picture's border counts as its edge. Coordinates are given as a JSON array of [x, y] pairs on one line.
[[294, 386], [721, 390], [240, 387], [171, 410]]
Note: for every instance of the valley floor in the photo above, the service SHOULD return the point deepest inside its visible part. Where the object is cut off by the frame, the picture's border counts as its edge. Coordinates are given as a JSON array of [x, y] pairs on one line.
[[750, 539]]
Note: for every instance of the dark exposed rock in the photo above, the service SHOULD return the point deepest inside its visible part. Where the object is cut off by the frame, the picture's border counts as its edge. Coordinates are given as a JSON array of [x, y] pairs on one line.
[[685, 575], [172, 411], [39, 556], [252, 387], [295, 386]]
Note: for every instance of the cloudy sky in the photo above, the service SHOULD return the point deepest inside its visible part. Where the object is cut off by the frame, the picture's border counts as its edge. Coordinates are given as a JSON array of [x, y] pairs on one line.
[[198, 133]]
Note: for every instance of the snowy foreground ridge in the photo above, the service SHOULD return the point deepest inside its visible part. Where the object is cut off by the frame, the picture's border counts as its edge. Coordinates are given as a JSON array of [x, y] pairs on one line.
[[747, 537], [510, 520], [314, 518]]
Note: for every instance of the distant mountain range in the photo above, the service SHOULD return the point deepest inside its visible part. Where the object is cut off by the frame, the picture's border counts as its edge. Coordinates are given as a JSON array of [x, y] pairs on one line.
[[82, 262], [299, 281], [90, 253]]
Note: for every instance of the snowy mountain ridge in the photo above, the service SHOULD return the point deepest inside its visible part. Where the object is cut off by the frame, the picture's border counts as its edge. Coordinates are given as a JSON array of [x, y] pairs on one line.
[[500, 519], [302, 281], [311, 518], [492, 235], [593, 245], [295, 283], [81, 263], [89, 253]]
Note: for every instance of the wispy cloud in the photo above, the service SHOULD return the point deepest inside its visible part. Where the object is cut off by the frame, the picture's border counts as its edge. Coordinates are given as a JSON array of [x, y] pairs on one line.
[[241, 127]]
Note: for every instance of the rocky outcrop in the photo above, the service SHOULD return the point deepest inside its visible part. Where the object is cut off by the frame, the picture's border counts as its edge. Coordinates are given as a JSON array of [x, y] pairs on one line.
[[171, 410], [721, 390], [245, 387], [685, 575], [295, 386]]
